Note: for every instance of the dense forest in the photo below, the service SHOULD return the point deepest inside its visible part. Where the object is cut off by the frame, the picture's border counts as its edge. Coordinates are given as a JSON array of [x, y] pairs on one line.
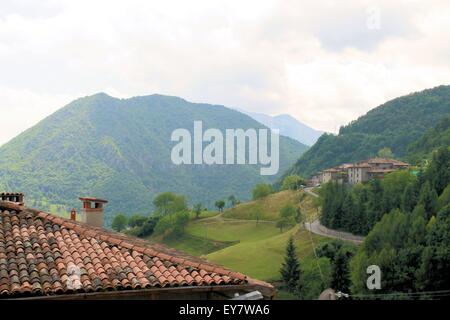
[[411, 244], [407, 218], [120, 149], [395, 125], [413, 253]]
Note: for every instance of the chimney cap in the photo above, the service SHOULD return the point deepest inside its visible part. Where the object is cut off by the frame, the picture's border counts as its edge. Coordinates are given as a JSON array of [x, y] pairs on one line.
[[93, 200]]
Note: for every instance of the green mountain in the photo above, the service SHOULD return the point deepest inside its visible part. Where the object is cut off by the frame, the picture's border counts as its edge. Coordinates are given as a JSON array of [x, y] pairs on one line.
[[119, 149], [394, 125], [436, 137]]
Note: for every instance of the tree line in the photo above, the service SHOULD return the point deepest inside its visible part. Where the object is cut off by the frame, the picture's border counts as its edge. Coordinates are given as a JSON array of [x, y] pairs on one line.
[[407, 218]]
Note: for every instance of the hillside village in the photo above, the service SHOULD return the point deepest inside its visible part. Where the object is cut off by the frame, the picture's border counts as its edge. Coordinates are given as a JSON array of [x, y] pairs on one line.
[[361, 171]]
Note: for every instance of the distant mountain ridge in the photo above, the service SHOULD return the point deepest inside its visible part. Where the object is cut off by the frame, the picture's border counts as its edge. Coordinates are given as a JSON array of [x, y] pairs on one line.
[[288, 126], [120, 149], [396, 124]]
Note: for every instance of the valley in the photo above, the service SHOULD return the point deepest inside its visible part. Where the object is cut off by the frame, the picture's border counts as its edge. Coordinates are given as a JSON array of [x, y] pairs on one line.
[[302, 235]]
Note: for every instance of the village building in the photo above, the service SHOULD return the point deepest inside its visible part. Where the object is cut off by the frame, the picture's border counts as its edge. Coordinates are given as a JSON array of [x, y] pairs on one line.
[[43, 256], [361, 171], [338, 174], [373, 168], [315, 180]]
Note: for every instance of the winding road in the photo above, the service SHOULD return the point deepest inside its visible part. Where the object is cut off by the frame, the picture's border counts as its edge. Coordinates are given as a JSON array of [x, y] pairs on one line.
[[317, 228]]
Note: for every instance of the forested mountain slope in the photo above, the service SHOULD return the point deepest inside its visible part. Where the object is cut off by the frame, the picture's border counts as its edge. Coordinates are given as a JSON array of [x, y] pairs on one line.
[[120, 149]]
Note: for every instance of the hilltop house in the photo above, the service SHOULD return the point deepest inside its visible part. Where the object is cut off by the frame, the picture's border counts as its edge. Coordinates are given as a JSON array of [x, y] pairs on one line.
[[361, 171], [47, 257]]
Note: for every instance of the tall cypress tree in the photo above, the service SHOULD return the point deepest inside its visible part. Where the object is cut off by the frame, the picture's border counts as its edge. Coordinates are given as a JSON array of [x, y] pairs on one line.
[[290, 269]]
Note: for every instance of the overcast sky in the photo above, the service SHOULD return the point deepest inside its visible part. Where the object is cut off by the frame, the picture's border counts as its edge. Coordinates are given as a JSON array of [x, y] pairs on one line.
[[323, 62]]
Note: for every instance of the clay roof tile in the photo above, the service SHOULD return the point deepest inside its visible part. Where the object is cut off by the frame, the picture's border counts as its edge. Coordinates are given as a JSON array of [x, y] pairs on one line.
[[43, 254]]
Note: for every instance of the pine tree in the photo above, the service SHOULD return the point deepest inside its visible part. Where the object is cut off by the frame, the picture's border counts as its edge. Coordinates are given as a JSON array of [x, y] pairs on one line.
[[438, 172], [444, 198], [338, 196], [419, 211], [327, 196], [435, 267], [349, 214], [360, 210], [428, 198], [374, 205], [290, 270], [340, 276], [409, 197]]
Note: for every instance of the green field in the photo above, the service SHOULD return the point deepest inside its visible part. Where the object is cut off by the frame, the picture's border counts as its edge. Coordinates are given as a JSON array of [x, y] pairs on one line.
[[234, 230], [262, 259], [235, 240], [195, 245]]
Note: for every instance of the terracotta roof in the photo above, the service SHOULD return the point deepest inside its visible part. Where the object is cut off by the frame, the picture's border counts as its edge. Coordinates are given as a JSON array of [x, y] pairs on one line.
[[41, 254], [387, 161], [376, 170], [361, 164], [401, 163], [331, 170], [93, 199]]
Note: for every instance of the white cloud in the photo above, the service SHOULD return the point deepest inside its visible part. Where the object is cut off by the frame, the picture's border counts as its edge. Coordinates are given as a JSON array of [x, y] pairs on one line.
[[21, 109], [316, 60]]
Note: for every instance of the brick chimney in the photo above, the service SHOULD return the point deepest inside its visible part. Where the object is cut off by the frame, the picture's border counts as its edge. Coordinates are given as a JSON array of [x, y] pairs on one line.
[[92, 211], [73, 214], [16, 197]]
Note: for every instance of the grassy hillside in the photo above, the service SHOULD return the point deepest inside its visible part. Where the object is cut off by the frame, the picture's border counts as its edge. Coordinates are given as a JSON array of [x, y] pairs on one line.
[[268, 208], [395, 125], [235, 240], [119, 149], [236, 231], [262, 259]]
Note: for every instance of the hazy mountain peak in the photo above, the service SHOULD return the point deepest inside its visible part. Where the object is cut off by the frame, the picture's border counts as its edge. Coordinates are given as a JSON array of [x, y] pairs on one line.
[[288, 126]]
